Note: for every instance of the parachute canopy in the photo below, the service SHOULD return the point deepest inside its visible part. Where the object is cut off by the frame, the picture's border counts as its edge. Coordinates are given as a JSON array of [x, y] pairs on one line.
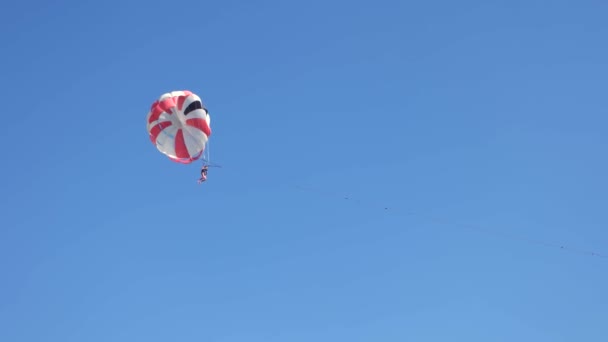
[[179, 125]]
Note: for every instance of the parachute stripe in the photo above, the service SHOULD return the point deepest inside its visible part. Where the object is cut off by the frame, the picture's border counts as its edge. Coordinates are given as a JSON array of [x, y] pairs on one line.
[[182, 98], [181, 151], [161, 106], [180, 102], [181, 161], [155, 112], [200, 124], [155, 131], [167, 104]]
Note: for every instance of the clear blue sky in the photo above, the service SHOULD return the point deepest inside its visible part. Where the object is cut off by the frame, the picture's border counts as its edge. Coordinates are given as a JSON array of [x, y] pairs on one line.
[[464, 113]]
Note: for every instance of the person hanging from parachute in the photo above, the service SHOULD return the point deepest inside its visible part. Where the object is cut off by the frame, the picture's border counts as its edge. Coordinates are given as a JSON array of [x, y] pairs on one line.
[[179, 126], [204, 170]]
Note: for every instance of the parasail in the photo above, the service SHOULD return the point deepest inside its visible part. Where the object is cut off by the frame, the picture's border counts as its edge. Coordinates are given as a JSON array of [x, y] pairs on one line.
[[179, 126]]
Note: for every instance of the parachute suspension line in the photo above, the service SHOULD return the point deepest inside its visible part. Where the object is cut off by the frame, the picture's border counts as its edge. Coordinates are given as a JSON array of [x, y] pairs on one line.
[[207, 154]]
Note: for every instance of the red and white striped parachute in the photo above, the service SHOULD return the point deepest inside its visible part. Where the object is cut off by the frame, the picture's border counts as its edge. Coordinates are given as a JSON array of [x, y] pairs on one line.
[[179, 125]]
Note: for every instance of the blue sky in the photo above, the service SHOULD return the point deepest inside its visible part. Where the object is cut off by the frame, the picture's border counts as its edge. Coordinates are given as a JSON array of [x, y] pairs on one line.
[[451, 115]]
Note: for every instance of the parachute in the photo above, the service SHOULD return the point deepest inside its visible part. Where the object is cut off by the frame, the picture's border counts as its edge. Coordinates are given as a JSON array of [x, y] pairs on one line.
[[179, 126]]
